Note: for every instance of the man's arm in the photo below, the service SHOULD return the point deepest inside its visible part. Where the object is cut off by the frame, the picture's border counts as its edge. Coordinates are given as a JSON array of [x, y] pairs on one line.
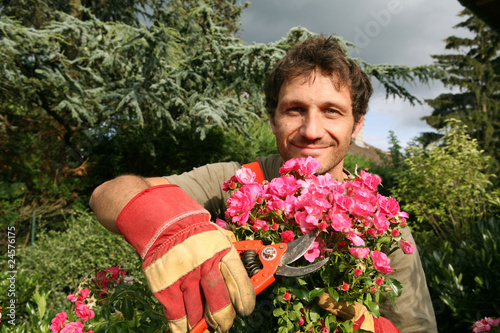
[[413, 312], [109, 199], [186, 258]]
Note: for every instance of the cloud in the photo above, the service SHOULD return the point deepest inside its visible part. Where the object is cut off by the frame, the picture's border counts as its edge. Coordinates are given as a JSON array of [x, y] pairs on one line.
[[403, 32]]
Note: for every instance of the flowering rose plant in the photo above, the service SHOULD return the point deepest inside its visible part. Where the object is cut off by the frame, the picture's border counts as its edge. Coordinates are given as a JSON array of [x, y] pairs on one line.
[[84, 300], [486, 324], [111, 301], [83, 311], [359, 229]]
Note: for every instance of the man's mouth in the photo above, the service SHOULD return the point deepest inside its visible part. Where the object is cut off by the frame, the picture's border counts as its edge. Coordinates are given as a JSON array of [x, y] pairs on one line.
[[310, 150]]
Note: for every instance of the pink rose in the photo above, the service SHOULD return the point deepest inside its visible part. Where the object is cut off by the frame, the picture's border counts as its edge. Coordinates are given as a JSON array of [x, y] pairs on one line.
[[407, 247], [83, 311], [381, 223], [241, 202], [73, 327], [306, 221], [58, 322], [84, 293], [303, 166], [363, 210], [242, 176], [481, 326], [116, 272], [381, 262], [359, 252], [245, 176], [354, 238], [308, 166], [388, 206], [342, 202], [322, 226], [313, 252], [369, 181], [287, 236], [221, 223], [340, 221], [258, 224], [282, 186], [484, 325], [364, 196], [72, 298], [492, 322]]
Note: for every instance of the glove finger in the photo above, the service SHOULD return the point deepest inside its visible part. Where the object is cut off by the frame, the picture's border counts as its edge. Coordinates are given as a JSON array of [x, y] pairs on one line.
[[240, 287], [219, 311], [193, 297], [172, 300]]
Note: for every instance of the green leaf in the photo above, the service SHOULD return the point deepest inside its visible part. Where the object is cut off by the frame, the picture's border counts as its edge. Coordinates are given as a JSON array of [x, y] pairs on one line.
[[106, 312], [316, 292], [278, 312], [479, 281], [333, 292], [372, 307], [396, 288], [127, 308], [314, 315], [41, 302]]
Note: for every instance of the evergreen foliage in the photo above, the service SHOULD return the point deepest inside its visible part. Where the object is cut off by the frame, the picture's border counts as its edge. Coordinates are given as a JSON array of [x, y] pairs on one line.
[[473, 72], [73, 74]]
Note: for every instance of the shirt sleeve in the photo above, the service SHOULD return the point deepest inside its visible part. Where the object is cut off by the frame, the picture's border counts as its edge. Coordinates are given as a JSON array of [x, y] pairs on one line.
[[413, 311], [204, 184]]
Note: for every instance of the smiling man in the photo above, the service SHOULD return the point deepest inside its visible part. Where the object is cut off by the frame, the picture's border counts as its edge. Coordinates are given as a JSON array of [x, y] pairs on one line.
[[317, 99], [315, 119]]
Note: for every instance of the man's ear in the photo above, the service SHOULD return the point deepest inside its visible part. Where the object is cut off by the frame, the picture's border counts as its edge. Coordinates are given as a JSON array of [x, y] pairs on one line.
[[358, 126], [271, 122]]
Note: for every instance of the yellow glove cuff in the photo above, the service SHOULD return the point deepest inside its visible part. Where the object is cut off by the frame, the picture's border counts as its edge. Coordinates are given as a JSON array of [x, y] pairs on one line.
[[346, 311]]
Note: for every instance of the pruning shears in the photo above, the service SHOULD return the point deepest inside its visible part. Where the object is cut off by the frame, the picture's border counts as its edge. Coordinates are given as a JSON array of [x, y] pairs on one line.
[[264, 262]]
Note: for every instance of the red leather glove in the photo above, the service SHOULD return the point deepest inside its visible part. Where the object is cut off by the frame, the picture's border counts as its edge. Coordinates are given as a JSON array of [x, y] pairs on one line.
[[191, 265], [380, 325]]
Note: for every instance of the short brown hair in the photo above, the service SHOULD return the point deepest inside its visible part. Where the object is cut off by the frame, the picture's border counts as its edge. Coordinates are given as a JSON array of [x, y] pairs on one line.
[[323, 53]]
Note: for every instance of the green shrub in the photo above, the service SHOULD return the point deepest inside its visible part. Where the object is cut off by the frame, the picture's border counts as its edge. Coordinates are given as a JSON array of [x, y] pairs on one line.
[[128, 307], [463, 280], [445, 186], [59, 260], [244, 149]]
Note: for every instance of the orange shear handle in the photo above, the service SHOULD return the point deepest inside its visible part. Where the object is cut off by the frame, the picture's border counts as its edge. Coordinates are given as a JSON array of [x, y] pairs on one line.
[[269, 256]]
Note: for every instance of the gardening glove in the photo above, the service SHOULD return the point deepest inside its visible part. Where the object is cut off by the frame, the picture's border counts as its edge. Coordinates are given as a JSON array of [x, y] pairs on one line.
[[190, 264], [358, 314]]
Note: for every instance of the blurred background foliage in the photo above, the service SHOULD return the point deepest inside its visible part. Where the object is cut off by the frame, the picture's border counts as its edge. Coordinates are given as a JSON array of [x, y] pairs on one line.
[[94, 89]]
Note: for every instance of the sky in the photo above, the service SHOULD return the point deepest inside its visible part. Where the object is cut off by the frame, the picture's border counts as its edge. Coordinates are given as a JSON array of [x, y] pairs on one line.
[[402, 32]]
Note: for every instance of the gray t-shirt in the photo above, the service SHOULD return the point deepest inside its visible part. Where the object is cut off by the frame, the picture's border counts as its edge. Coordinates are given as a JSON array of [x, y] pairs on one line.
[[413, 312]]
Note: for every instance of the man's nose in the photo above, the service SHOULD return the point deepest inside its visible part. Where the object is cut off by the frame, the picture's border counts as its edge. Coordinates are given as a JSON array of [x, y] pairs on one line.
[[312, 126]]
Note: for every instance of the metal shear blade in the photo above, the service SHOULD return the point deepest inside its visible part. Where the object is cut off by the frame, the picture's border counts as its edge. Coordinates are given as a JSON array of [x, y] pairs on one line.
[[296, 249]]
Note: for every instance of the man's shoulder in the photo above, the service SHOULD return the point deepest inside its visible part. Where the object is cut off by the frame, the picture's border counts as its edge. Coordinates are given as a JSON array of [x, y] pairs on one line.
[[270, 165]]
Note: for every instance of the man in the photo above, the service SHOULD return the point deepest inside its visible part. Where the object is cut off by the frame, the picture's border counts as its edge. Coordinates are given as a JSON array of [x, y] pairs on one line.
[[317, 99]]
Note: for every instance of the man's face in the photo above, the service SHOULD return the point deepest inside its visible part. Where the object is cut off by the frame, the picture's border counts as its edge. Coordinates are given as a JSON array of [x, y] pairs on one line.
[[315, 119]]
